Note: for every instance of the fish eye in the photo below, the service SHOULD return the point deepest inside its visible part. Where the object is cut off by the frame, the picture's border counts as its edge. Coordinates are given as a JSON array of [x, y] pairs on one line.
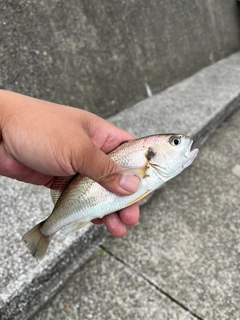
[[175, 140]]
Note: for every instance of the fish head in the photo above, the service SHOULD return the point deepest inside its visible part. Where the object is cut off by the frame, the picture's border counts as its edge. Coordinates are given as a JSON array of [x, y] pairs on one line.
[[169, 154]]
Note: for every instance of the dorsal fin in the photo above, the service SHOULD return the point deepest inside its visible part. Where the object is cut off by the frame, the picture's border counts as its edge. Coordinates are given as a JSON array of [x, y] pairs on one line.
[[58, 185]]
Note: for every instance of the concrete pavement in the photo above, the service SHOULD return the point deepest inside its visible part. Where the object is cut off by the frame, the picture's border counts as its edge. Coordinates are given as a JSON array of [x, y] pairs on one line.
[[182, 261]]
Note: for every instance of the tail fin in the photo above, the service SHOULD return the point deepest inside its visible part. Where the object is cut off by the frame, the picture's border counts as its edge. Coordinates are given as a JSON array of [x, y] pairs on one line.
[[36, 241]]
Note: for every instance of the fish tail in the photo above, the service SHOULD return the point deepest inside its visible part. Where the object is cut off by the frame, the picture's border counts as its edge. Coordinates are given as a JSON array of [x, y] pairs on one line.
[[36, 241]]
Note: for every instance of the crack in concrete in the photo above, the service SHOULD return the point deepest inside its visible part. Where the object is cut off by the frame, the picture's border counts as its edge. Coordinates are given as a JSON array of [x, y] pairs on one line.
[[151, 283]]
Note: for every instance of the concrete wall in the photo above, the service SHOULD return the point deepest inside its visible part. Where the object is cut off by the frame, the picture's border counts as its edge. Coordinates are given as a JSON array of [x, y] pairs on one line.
[[99, 54]]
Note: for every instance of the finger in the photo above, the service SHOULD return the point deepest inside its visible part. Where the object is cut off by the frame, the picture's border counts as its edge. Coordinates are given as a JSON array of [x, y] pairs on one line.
[[114, 140], [130, 215], [105, 135], [115, 225], [97, 221], [92, 162]]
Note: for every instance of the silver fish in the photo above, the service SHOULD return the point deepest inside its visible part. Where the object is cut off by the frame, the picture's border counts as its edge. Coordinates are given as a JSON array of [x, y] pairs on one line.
[[78, 200]]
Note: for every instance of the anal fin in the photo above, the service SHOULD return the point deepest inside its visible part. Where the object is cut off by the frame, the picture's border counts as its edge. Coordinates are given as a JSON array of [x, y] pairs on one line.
[[73, 227]]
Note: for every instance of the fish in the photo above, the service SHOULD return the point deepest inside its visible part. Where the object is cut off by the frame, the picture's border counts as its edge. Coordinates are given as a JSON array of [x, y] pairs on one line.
[[78, 199]]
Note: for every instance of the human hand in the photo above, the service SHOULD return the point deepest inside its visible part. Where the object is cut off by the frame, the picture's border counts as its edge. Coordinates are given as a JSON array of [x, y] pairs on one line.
[[40, 140]]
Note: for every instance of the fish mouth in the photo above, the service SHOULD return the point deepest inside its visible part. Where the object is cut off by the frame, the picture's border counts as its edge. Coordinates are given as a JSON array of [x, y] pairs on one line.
[[190, 155], [190, 152]]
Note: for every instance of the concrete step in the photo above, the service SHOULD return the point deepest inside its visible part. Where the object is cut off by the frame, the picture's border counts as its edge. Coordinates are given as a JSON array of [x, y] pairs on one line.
[[195, 106], [182, 259]]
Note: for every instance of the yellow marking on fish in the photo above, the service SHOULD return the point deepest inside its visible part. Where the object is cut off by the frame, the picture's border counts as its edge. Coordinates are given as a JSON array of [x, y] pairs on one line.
[[138, 171], [139, 198]]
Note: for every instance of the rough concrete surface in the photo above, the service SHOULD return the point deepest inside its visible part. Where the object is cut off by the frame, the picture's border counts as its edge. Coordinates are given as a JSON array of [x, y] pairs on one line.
[[191, 106], [106, 289], [99, 55], [181, 261]]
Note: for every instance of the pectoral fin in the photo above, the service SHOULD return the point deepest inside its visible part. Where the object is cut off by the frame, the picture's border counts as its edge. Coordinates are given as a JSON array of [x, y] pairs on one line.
[[137, 171]]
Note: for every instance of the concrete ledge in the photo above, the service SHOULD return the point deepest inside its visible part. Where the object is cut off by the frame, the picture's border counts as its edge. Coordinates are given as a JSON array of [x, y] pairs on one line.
[[194, 106]]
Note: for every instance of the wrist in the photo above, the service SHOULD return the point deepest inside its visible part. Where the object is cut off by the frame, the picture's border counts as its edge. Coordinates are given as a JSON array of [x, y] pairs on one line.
[[2, 108], [7, 104]]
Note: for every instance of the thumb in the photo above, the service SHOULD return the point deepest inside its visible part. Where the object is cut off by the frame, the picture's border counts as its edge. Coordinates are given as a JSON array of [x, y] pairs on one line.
[[96, 165]]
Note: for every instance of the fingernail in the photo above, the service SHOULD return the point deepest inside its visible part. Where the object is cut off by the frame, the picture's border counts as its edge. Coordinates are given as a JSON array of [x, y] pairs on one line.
[[129, 183]]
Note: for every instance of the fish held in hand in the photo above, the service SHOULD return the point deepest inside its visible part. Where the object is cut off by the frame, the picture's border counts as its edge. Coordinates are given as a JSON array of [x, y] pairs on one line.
[[78, 200]]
